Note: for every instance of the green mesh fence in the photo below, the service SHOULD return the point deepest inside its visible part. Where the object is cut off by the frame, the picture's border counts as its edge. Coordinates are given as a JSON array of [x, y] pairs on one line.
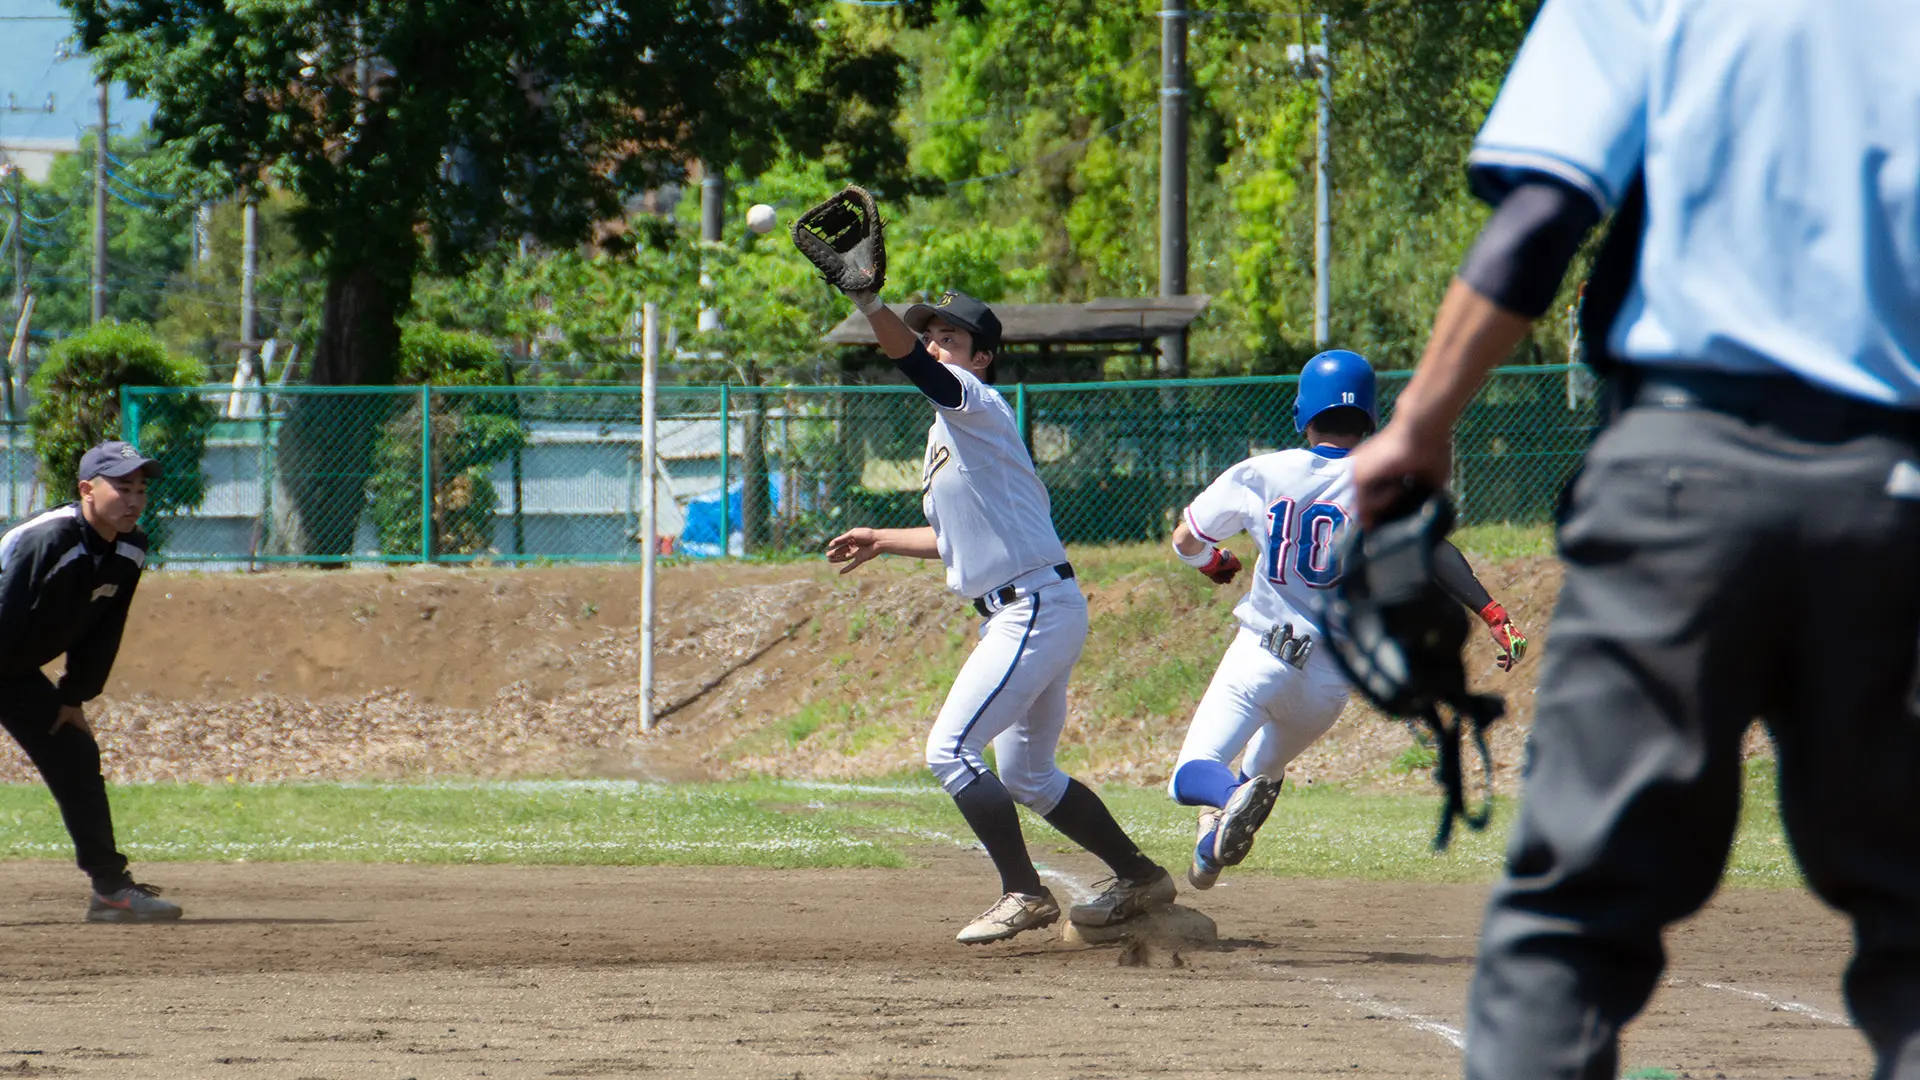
[[514, 474]]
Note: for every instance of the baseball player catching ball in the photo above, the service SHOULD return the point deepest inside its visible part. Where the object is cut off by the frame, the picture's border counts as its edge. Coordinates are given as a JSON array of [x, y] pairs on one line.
[[1274, 693], [990, 522]]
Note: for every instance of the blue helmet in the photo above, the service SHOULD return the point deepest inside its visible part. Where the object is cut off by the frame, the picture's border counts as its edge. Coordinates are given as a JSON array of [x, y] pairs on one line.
[[1334, 379]]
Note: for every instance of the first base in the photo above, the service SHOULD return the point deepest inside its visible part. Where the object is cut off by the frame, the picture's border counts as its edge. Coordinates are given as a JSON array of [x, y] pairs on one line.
[[1174, 925]]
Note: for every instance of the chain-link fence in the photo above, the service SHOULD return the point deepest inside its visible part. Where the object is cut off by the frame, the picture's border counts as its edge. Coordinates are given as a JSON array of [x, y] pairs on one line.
[[514, 474]]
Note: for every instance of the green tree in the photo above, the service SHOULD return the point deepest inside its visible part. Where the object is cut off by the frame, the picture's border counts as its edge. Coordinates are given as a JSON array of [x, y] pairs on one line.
[[469, 433], [148, 237], [76, 404], [417, 132]]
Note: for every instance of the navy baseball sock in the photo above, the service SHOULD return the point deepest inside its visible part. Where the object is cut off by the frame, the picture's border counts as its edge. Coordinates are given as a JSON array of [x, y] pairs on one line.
[[991, 815], [1082, 818], [1204, 783]]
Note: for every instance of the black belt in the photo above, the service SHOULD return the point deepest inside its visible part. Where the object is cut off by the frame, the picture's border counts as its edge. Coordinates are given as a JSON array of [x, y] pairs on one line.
[[1007, 594], [1795, 407]]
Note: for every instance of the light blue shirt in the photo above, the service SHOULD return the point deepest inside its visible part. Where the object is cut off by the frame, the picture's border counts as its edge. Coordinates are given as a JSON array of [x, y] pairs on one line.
[[1781, 142]]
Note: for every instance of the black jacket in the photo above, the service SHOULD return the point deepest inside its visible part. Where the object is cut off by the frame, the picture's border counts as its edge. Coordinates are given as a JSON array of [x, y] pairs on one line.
[[64, 589]]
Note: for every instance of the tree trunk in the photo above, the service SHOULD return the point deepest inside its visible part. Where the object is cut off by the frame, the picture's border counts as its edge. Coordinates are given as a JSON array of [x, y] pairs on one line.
[[326, 442]]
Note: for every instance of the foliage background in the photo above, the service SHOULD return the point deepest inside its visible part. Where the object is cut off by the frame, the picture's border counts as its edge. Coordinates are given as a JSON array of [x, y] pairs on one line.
[[1030, 139]]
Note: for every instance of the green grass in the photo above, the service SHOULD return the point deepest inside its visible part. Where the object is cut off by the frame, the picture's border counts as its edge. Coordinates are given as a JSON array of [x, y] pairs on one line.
[[1502, 542], [1314, 832]]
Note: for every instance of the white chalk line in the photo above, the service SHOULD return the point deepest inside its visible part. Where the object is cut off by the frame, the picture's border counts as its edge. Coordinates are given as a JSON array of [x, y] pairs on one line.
[[1394, 1012], [1783, 1005]]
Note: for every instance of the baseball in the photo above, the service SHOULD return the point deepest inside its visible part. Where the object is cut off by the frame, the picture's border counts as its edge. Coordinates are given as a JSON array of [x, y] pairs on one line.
[[760, 218]]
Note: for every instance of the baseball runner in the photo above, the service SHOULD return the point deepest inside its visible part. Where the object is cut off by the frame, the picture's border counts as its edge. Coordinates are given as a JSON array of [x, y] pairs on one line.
[[67, 578], [1274, 693], [990, 522], [1743, 538]]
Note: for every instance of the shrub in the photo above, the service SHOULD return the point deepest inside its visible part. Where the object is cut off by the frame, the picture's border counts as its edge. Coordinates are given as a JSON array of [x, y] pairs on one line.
[[470, 432], [76, 404]]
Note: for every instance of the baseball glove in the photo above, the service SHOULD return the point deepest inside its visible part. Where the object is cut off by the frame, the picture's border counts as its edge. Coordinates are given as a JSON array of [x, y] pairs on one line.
[[1399, 638], [842, 237]]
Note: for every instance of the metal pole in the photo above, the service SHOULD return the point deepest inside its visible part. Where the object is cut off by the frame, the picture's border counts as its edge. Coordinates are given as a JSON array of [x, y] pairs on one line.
[[426, 473], [1322, 203], [16, 353], [249, 270], [713, 210], [1173, 176], [649, 513], [726, 464], [100, 212]]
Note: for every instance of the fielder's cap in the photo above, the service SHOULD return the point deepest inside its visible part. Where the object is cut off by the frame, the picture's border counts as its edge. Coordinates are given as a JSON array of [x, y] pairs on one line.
[[115, 460], [962, 311]]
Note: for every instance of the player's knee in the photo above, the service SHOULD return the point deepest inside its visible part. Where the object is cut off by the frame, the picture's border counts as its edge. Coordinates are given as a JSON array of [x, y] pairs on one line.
[[948, 761], [1038, 791]]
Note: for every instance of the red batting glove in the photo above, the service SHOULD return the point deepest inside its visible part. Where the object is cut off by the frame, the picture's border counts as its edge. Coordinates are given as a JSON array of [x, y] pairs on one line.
[[1221, 567], [1506, 636]]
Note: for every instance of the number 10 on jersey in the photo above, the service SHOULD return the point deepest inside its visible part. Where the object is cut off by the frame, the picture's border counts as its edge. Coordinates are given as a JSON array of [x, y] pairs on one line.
[[1309, 540]]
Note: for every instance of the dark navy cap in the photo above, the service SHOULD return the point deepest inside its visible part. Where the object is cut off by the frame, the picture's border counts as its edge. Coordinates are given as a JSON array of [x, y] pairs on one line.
[[115, 460], [962, 311]]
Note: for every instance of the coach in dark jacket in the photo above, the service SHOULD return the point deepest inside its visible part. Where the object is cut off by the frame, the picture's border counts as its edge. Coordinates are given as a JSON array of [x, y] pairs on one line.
[[67, 578]]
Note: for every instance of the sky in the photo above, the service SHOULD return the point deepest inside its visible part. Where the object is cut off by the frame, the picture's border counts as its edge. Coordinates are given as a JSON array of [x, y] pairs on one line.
[[31, 33]]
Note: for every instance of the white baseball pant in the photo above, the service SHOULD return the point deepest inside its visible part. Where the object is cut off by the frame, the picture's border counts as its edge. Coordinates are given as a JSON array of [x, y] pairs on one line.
[[1264, 706], [1012, 692]]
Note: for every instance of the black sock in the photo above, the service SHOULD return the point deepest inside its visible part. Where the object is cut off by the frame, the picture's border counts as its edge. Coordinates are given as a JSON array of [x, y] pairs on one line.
[[1086, 821], [991, 815]]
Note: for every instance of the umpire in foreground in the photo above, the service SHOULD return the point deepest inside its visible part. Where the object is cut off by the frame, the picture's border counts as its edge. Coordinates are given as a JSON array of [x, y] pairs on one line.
[[1743, 539], [66, 580]]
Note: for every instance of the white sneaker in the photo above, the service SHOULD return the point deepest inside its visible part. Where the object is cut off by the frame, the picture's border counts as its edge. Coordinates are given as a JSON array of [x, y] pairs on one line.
[[1126, 899], [1245, 812], [1010, 915], [1204, 872]]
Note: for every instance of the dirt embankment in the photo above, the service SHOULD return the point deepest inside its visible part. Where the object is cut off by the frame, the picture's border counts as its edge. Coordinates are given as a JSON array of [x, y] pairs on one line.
[[777, 669]]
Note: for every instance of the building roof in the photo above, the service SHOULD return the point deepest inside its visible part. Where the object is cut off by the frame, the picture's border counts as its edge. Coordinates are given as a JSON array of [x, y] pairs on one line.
[[1105, 320]]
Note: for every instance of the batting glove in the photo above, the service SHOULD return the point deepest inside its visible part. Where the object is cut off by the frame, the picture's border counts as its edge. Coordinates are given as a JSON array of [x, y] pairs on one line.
[[1220, 566], [1506, 636]]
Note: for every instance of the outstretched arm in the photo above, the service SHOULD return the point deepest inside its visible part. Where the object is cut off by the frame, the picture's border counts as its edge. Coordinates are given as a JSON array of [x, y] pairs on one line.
[[1456, 579], [856, 546], [903, 346], [1507, 281]]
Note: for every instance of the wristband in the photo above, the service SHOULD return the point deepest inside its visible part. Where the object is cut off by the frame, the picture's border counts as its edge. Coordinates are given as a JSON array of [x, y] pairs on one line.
[[1200, 561]]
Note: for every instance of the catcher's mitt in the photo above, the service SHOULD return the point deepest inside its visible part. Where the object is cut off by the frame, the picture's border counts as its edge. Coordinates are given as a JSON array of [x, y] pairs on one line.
[[1399, 638], [842, 237]]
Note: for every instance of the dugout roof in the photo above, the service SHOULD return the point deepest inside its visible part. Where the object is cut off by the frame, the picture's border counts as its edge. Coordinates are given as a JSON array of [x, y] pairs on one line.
[[1108, 320]]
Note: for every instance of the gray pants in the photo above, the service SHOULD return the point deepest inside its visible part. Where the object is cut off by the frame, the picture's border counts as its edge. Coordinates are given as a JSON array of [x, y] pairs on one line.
[[1717, 570]]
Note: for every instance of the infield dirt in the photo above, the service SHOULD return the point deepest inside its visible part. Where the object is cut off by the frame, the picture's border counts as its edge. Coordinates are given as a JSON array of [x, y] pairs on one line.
[[349, 971]]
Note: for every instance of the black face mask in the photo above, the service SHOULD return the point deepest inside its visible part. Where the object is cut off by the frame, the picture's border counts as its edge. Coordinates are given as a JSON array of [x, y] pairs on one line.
[[1399, 638]]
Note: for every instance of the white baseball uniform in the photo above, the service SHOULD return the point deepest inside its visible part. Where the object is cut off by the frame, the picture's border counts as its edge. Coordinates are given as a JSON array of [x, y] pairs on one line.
[[994, 525], [1297, 505]]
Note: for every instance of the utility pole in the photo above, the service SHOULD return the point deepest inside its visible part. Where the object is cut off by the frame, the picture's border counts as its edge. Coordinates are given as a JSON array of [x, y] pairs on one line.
[[1322, 198], [100, 212], [249, 268], [713, 217], [1173, 175], [1317, 60], [18, 347]]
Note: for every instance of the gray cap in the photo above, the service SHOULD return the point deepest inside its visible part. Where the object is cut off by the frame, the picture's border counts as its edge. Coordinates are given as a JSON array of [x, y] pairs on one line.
[[115, 460]]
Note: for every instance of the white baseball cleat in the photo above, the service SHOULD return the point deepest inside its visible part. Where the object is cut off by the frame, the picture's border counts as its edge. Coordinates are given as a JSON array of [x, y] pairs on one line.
[[1204, 872], [1243, 815], [1126, 899], [1012, 914]]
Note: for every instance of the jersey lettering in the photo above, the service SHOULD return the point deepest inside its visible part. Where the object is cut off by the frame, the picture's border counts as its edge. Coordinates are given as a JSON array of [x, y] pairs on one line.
[[1309, 541]]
